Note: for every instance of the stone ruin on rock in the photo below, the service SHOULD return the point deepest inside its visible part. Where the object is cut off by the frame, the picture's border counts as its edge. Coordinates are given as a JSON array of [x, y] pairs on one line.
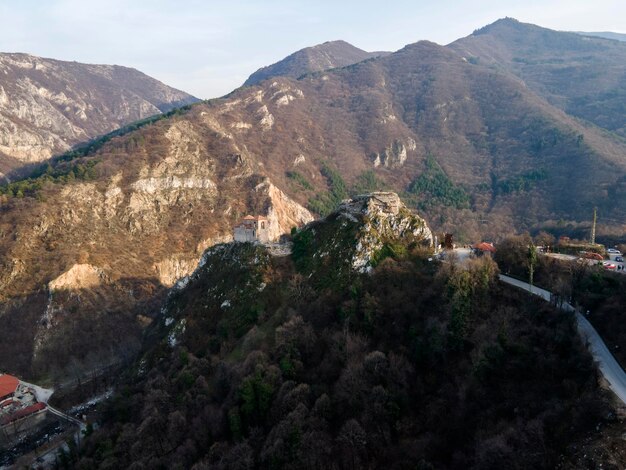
[[385, 202]]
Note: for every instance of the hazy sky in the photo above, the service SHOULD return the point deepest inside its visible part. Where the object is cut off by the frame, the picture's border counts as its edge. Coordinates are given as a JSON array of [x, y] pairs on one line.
[[208, 48]]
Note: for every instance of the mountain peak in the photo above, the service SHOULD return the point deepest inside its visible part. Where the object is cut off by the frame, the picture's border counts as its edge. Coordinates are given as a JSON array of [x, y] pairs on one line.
[[514, 31], [336, 42], [504, 24], [328, 55]]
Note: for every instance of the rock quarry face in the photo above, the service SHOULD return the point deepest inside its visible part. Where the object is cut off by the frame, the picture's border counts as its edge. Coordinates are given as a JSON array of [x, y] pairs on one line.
[[47, 106]]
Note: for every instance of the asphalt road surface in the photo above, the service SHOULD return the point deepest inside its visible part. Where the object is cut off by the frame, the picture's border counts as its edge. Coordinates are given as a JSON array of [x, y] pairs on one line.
[[609, 367]]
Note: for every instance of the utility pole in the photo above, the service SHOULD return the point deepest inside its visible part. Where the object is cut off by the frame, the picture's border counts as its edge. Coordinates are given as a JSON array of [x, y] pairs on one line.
[[593, 227]]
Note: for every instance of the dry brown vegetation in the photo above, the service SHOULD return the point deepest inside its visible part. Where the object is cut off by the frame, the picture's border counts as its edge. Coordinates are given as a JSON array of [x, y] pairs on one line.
[[407, 367], [584, 76], [520, 160]]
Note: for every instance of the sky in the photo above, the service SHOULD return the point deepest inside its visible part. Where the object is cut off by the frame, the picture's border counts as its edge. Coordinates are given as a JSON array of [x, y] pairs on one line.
[[208, 48]]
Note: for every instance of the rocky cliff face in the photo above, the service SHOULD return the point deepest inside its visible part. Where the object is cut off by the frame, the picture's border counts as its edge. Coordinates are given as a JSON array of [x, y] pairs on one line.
[[282, 212], [385, 220], [136, 229], [47, 106]]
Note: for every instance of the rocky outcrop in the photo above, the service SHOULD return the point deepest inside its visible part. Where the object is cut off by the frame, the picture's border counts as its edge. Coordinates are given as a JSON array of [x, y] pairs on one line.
[[79, 276], [363, 231], [383, 218], [283, 213], [176, 268], [66, 289], [373, 204], [394, 155], [170, 270]]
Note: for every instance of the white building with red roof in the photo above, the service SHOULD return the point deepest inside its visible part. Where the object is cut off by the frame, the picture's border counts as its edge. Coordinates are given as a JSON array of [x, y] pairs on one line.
[[484, 248], [22, 408]]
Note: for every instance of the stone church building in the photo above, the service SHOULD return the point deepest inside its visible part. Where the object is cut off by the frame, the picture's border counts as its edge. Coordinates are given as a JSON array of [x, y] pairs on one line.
[[252, 229]]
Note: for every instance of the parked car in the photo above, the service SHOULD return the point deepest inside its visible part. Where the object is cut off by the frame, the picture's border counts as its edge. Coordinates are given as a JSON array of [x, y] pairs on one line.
[[609, 265], [619, 259], [613, 251]]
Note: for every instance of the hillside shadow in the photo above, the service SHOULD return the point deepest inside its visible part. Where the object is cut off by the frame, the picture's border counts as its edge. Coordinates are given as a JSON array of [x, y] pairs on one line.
[[91, 329]]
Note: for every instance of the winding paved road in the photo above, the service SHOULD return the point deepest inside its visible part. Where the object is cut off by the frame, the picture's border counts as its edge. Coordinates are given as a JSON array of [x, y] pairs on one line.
[[609, 367]]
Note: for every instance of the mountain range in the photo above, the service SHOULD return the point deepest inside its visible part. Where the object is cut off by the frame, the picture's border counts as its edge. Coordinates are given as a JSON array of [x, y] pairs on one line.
[[512, 128], [605, 34], [581, 75], [48, 106]]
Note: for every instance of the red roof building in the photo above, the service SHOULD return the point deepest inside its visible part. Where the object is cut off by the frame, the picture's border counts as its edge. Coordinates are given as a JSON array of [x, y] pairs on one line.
[[8, 385], [23, 413], [485, 247]]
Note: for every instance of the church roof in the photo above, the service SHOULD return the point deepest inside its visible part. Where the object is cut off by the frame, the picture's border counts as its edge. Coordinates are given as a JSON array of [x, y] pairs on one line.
[[252, 217]]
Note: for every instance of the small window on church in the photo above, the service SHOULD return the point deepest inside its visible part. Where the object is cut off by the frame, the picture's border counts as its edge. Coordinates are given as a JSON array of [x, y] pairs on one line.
[[263, 225]]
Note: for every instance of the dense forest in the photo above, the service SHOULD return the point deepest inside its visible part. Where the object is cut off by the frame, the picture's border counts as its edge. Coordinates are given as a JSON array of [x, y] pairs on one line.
[[257, 364], [595, 290]]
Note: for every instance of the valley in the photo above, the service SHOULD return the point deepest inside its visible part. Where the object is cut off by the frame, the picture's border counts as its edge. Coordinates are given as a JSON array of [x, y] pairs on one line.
[[130, 228]]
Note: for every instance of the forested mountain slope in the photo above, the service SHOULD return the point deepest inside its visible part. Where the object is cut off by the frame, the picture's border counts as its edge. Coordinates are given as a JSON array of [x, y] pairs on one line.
[[477, 151], [583, 75], [309, 362]]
